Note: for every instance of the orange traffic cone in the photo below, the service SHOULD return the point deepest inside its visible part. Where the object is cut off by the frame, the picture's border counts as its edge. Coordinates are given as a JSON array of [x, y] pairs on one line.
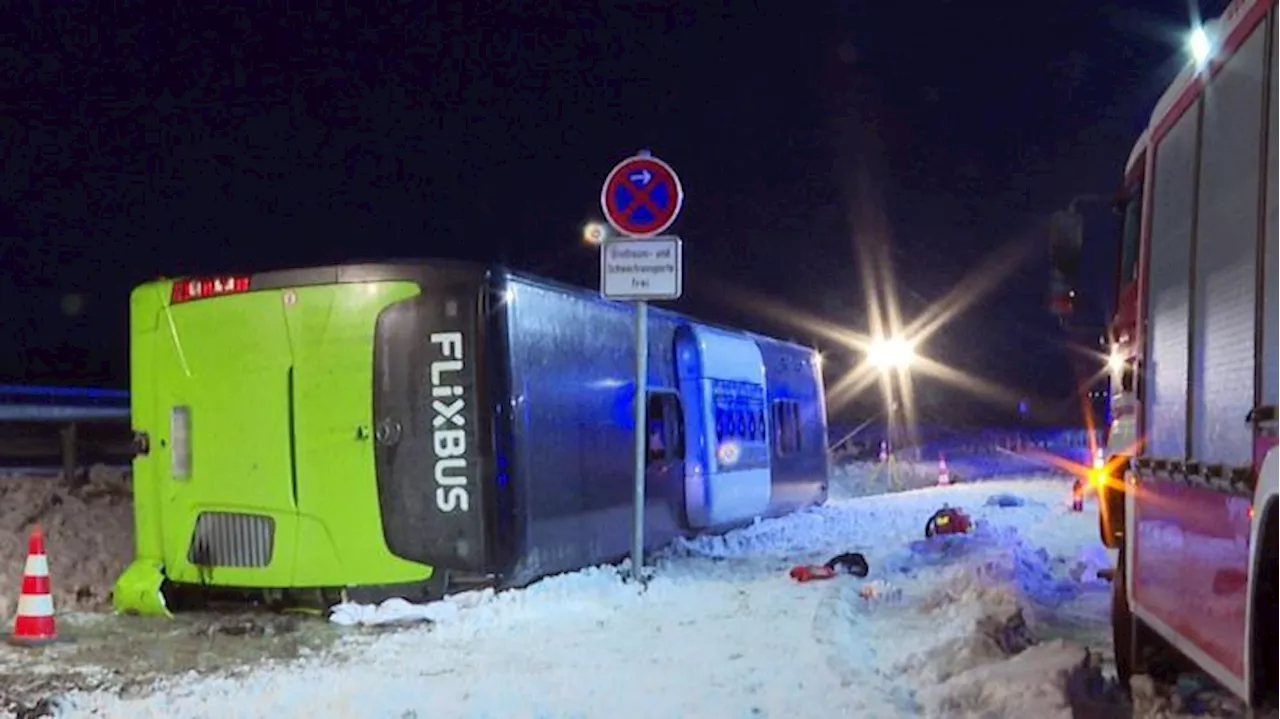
[[944, 476], [34, 624]]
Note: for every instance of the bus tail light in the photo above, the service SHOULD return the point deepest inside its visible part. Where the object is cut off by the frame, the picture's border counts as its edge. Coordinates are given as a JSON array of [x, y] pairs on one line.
[[198, 288]]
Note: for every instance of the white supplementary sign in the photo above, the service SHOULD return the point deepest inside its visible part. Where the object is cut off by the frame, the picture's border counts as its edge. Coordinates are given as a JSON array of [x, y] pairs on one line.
[[642, 269]]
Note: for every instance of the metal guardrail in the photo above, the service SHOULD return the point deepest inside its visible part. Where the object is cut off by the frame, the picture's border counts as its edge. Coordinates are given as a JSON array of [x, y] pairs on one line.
[[53, 413], [77, 396], [43, 426]]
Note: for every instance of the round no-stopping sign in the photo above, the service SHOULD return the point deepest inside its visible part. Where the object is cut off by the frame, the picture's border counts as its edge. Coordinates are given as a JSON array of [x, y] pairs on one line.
[[642, 196]]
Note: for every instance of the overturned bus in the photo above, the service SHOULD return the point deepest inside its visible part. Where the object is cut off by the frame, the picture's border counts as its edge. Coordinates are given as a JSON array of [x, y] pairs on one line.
[[396, 429]]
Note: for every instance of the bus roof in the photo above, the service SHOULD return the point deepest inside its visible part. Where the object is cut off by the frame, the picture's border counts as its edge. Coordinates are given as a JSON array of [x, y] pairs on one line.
[[382, 270]]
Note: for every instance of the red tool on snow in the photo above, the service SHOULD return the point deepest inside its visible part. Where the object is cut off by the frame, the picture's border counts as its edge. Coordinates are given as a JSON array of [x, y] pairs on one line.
[[849, 563], [948, 520]]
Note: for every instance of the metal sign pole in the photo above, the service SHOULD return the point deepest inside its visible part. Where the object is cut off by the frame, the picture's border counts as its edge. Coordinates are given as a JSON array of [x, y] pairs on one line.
[[642, 435], [641, 198]]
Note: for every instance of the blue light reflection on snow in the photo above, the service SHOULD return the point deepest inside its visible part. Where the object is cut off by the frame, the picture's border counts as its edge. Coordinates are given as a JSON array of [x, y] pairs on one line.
[[1005, 556]]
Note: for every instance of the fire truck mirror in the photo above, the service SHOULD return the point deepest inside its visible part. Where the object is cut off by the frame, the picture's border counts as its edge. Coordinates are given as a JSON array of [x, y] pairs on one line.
[[1066, 238]]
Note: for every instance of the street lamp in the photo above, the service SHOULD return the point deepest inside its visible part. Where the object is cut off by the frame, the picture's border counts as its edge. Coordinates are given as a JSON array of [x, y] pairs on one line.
[[594, 233], [891, 353]]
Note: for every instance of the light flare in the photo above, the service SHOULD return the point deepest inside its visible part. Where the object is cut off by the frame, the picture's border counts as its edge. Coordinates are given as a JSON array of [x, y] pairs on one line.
[[893, 352]]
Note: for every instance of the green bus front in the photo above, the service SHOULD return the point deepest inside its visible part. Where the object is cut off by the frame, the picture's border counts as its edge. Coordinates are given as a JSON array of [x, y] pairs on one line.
[[253, 404]]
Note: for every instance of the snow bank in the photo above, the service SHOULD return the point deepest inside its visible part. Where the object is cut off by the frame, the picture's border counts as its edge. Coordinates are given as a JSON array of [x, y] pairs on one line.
[[721, 630], [977, 655], [391, 611], [967, 641], [1029, 684], [88, 536]]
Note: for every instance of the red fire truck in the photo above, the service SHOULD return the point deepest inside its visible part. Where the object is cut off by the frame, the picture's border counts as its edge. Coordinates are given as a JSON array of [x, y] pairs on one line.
[[1188, 491]]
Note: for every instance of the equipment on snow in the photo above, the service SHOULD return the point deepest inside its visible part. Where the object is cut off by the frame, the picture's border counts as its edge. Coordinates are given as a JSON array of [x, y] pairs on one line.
[[848, 563], [140, 591], [810, 572], [879, 590], [851, 562], [948, 520]]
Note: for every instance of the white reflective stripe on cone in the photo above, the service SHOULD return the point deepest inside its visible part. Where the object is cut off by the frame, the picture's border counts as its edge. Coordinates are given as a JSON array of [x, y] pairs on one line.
[[37, 565], [35, 605]]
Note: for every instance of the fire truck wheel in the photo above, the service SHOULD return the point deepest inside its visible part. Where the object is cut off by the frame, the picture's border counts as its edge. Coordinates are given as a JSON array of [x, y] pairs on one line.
[[1123, 631]]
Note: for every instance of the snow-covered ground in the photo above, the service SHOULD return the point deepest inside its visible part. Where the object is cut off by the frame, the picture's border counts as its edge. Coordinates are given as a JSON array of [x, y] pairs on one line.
[[983, 626], [88, 533]]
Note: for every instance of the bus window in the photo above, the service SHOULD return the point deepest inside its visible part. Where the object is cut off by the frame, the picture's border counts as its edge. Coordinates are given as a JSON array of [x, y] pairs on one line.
[[665, 428], [786, 427]]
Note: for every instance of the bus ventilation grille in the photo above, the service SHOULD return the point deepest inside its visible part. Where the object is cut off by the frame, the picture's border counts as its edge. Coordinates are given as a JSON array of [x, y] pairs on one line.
[[225, 539]]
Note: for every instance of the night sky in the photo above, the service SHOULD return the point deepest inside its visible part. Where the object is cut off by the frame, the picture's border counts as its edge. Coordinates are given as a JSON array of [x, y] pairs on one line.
[[167, 138]]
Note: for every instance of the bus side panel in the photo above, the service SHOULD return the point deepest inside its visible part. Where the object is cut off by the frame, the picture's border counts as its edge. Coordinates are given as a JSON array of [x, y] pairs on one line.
[[572, 387], [800, 476], [222, 441], [666, 449], [331, 329], [507, 531], [146, 309], [821, 432], [722, 378], [432, 435]]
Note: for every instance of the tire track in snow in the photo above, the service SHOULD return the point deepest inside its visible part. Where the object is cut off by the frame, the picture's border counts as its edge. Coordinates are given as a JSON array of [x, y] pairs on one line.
[[855, 641]]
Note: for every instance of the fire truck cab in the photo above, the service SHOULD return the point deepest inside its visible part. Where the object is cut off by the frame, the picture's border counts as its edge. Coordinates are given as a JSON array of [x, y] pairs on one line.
[[1188, 491]]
